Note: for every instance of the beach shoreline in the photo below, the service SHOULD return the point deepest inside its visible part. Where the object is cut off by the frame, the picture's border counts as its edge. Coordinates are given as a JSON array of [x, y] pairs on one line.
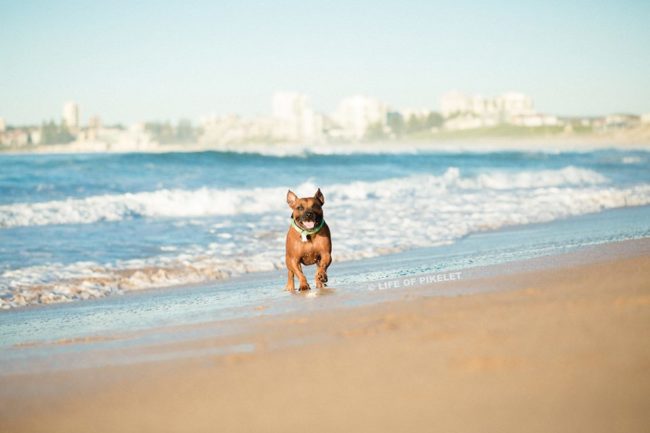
[[562, 347], [617, 140], [145, 221]]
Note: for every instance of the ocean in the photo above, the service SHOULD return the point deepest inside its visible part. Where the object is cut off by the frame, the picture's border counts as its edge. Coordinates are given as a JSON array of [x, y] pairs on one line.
[[75, 227]]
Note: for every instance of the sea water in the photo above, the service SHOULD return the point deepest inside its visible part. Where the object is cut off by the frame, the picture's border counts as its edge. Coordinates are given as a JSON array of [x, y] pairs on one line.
[[83, 226]]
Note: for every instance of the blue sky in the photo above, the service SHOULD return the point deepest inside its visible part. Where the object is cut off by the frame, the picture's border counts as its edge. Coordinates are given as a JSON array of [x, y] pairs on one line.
[[129, 61]]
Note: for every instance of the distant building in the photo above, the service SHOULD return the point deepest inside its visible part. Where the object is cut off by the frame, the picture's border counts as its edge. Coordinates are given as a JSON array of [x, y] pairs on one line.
[[35, 136], [233, 129], [621, 121], [454, 102], [469, 121], [94, 129], [645, 118], [95, 122], [357, 114], [137, 127], [294, 118], [515, 104], [475, 111], [15, 138], [534, 120], [312, 127], [71, 115], [19, 136], [411, 113], [505, 105], [289, 105]]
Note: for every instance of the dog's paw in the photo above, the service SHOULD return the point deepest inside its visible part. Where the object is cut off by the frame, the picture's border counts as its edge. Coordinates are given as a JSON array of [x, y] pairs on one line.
[[321, 277], [304, 287], [289, 288]]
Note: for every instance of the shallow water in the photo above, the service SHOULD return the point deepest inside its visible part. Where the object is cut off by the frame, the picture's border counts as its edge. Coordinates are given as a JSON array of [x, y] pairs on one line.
[[46, 336]]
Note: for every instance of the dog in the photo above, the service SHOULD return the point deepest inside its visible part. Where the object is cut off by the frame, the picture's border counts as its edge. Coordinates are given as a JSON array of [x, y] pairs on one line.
[[308, 240]]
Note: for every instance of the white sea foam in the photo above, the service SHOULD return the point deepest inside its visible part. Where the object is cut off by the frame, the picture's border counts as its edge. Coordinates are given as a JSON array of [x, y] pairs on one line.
[[415, 211], [176, 203], [631, 160]]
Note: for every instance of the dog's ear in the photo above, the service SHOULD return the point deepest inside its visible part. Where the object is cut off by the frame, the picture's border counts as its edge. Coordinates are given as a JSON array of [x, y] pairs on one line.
[[320, 197], [291, 198]]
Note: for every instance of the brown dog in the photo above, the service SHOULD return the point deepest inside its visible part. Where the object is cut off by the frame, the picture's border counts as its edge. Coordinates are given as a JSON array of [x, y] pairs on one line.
[[308, 239]]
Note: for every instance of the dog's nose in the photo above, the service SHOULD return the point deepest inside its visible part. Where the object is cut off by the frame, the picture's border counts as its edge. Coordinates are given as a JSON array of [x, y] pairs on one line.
[[309, 214]]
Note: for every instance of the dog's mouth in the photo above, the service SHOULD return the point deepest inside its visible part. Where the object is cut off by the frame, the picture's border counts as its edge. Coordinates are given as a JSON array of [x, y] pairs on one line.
[[308, 224]]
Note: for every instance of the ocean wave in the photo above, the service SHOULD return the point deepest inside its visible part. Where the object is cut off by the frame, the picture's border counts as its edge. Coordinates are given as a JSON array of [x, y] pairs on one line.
[[368, 219], [631, 160], [375, 227], [394, 148], [178, 203]]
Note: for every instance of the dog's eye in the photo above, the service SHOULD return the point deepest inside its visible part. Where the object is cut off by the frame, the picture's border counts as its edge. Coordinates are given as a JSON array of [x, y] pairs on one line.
[[300, 208]]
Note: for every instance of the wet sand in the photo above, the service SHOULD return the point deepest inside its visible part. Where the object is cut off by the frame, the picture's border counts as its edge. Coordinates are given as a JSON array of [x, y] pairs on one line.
[[563, 349]]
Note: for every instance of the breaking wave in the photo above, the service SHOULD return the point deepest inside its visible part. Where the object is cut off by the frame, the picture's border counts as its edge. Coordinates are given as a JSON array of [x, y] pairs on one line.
[[178, 203], [367, 218]]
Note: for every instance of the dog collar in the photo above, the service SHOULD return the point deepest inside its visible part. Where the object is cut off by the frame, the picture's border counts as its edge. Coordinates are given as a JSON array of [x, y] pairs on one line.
[[305, 232]]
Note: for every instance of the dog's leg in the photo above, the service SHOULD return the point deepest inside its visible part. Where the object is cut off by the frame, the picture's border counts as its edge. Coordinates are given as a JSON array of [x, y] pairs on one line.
[[290, 282], [294, 266], [321, 273]]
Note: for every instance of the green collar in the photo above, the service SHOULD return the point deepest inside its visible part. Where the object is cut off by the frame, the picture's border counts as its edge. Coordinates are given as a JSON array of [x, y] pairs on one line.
[[304, 232]]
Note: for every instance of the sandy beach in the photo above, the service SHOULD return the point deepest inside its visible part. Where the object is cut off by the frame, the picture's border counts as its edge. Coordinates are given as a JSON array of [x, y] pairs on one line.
[[463, 195], [562, 349]]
